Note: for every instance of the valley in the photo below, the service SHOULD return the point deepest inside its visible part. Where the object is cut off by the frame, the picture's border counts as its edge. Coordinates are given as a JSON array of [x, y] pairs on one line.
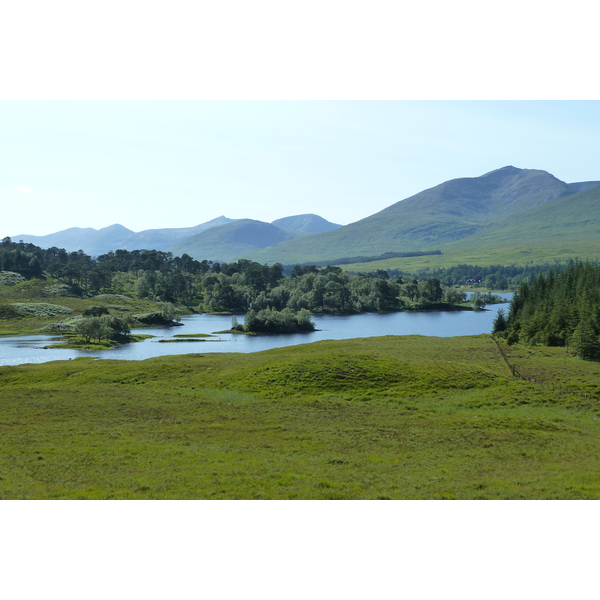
[[383, 415]]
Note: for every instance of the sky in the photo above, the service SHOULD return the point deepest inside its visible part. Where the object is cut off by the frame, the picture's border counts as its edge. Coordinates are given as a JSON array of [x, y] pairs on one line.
[[159, 115], [162, 163]]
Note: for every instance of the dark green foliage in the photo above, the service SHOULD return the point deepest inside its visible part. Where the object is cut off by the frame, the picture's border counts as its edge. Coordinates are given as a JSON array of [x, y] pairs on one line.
[[103, 328], [270, 320], [236, 287], [499, 324], [95, 311], [559, 309]]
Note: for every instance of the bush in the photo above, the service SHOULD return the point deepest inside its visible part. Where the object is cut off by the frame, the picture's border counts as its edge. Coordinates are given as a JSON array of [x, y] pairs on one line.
[[103, 328], [270, 320], [10, 278], [166, 315], [41, 309], [66, 326], [8, 312]]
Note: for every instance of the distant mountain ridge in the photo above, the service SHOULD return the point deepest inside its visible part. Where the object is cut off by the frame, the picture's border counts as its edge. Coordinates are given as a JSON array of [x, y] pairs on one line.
[[252, 235], [99, 241], [517, 211]]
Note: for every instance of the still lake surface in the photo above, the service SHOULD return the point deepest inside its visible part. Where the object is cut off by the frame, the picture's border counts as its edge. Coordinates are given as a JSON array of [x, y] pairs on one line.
[[30, 349]]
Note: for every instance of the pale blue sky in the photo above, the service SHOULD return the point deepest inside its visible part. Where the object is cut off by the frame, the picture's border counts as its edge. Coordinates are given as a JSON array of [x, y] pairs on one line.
[[152, 164]]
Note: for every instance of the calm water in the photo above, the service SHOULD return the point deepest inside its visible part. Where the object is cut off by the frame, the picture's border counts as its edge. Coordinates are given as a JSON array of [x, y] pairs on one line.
[[30, 349]]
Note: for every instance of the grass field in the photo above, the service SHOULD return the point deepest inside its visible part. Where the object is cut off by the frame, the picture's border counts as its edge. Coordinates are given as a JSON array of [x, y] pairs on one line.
[[400, 417]]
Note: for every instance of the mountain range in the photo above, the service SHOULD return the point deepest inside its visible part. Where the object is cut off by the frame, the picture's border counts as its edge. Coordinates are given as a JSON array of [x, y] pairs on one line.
[[220, 239], [506, 215]]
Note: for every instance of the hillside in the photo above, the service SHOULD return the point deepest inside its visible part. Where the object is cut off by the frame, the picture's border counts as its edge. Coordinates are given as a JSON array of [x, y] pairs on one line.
[[228, 242], [432, 219], [305, 224], [557, 230], [561, 229]]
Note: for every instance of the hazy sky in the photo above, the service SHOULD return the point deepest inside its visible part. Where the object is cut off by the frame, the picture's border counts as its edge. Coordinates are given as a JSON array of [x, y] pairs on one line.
[[153, 164]]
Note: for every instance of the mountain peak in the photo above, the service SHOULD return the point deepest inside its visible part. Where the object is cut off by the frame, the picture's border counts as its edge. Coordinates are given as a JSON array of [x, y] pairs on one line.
[[115, 227], [508, 170], [306, 223]]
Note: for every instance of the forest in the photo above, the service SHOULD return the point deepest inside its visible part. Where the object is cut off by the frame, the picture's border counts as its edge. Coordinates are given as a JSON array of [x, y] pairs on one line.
[[237, 287], [557, 309]]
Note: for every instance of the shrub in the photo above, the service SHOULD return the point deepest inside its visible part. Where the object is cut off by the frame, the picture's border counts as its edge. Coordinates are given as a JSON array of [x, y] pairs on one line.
[[66, 326], [8, 312], [103, 328], [270, 320], [10, 278], [41, 309], [165, 316]]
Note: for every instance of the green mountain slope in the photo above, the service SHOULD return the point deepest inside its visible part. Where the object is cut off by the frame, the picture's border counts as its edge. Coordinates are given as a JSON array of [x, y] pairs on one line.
[[228, 242], [562, 228], [306, 224], [429, 220]]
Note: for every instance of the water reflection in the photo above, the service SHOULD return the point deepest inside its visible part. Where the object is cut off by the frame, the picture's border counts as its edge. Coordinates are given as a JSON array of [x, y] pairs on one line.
[[30, 349]]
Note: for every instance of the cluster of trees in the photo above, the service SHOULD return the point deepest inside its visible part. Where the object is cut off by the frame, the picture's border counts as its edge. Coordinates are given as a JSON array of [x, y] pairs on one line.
[[557, 309], [21, 258], [236, 287], [270, 320], [105, 327]]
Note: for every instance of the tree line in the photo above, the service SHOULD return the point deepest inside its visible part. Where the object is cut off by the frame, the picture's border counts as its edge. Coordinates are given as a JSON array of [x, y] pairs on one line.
[[558, 308], [237, 287]]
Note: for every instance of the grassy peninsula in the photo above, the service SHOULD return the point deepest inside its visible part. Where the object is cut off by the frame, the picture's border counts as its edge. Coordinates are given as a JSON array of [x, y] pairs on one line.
[[393, 417]]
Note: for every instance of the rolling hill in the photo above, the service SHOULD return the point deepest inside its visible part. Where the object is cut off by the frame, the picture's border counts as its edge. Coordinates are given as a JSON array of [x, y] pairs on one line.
[[227, 243], [439, 218], [306, 224]]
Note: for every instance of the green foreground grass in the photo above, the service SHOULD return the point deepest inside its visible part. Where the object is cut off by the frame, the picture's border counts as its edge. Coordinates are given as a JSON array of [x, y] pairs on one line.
[[400, 417]]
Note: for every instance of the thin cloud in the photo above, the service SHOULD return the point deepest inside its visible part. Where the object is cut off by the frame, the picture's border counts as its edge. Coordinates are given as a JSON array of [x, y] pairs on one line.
[[22, 188]]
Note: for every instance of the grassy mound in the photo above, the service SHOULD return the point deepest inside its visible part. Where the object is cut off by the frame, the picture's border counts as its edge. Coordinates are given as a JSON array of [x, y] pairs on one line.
[[393, 417], [41, 309], [10, 278]]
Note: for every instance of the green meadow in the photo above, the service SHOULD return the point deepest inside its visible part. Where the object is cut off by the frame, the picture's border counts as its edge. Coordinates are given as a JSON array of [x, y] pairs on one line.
[[397, 417]]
